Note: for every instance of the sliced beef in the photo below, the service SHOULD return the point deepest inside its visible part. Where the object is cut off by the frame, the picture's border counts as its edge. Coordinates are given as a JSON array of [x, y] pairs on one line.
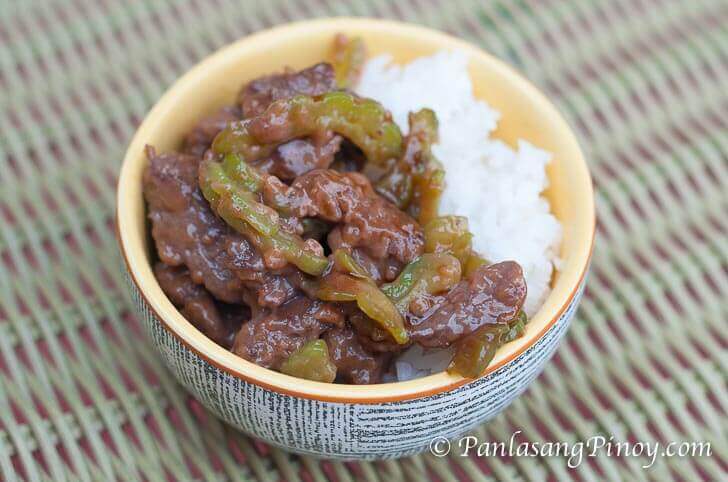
[[494, 294], [188, 233], [271, 336], [373, 338], [184, 228], [365, 221], [354, 363], [201, 136], [219, 323], [299, 156], [258, 94]]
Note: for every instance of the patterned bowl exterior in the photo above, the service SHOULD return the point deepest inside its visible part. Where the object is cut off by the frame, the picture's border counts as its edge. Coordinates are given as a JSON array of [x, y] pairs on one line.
[[350, 430]]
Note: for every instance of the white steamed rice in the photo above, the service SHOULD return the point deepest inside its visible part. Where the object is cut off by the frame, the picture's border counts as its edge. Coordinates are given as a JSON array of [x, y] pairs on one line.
[[497, 187]]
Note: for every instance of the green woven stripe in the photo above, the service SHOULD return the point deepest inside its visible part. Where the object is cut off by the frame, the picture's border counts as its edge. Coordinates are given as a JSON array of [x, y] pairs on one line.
[[644, 83]]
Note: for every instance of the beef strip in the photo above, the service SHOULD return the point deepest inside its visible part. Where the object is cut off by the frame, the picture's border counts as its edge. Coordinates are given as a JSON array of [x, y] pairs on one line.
[[494, 294], [354, 363], [188, 233], [269, 288], [299, 156], [372, 337], [380, 270], [197, 305], [288, 161], [271, 336], [366, 222], [201, 136], [258, 94]]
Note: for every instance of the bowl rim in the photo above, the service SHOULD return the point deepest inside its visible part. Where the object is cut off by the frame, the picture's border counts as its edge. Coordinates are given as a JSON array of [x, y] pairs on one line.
[[248, 371]]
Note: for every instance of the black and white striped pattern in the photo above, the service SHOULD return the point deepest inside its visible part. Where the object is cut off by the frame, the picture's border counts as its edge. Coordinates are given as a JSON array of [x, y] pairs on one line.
[[350, 430]]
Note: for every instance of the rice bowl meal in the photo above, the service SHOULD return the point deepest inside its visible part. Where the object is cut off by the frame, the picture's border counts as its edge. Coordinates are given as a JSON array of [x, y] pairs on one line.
[[353, 222]]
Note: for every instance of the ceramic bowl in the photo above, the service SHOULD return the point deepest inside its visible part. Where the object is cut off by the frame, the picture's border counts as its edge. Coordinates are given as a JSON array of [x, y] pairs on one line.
[[348, 421]]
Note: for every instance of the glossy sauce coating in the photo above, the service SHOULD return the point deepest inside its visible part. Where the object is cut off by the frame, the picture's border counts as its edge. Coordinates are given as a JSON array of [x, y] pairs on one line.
[[494, 294], [271, 336], [219, 322], [354, 363], [363, 220], [318, 188]]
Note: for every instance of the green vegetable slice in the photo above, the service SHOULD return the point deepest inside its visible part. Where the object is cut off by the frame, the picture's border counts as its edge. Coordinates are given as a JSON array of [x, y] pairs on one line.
[[428, 274], [349, 58], [311, 362], [239, 208], [398, 184], [475, 352], [363, 121]]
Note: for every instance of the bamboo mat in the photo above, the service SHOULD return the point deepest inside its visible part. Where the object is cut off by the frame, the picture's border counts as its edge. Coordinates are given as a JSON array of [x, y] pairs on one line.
[[644, 83]]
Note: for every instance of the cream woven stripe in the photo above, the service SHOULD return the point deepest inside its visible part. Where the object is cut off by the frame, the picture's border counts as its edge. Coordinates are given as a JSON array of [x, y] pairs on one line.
[[644, 83]]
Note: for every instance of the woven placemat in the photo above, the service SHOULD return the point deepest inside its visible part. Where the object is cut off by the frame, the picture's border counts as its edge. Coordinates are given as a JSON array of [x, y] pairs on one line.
[[645, 85]]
